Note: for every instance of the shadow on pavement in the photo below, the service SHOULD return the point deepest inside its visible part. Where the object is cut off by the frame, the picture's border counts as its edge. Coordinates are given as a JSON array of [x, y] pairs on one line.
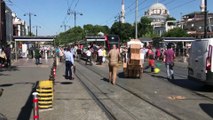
[[12, 68], [26, 110], [105, 79], [207, 108], [192, 85], [188, 84], [159, 76], [64, 83]]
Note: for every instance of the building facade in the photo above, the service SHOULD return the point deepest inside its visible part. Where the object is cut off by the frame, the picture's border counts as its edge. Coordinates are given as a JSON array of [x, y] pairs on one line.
[[158, 13], [9, 25], [19, 26], [193, 23]]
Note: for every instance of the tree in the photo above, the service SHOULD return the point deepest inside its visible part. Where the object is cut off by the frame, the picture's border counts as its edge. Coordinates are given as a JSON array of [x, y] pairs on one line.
[[176, 32], [170, 18], [94, 30], [72, 35], [124, 30], [144, 26]]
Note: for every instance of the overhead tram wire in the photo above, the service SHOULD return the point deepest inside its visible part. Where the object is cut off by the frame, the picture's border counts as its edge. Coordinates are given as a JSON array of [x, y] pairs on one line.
[[66, 18], [76, 5], [112, 19], [169, 2], [188, 2]]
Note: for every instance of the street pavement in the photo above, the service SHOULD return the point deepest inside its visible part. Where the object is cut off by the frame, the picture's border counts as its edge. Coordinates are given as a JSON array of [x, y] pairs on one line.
[[73, 102], [18, 83]]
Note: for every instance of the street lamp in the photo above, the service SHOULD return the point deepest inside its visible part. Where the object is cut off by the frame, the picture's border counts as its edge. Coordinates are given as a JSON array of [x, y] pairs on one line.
[[69, 12], [36, 29], [29, 14]]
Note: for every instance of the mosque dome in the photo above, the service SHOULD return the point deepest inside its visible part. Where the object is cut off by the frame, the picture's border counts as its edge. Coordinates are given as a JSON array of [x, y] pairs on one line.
[[157, 6], [157, 9]]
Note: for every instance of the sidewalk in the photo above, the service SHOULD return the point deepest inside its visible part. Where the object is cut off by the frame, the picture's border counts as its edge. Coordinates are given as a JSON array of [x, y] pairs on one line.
[[71, 101], [18, 82]]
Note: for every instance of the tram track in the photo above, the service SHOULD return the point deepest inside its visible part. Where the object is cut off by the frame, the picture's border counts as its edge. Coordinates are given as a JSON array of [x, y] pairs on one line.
[[96, 99], [108, 113]]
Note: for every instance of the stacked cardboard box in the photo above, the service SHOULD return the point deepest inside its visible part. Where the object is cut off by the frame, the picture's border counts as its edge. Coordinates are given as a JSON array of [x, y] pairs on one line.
[[133, 66]]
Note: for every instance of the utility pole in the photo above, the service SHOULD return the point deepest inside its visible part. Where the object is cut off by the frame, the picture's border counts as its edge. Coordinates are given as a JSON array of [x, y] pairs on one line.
[[136, 21], [65, 27], [73, 12], [36, 29], [3, 23], [29, 14], [118, 19], [205, 20]]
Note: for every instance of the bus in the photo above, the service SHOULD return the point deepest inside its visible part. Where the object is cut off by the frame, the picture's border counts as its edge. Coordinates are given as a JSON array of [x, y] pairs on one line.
[[107, 41], [112, 39]]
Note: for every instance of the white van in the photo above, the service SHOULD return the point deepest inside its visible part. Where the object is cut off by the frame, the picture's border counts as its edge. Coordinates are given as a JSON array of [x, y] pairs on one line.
[[200, 61]]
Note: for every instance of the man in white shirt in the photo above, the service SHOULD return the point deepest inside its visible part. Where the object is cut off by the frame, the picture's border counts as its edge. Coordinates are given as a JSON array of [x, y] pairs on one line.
[[69, 63], [88, 59], [100, 55]]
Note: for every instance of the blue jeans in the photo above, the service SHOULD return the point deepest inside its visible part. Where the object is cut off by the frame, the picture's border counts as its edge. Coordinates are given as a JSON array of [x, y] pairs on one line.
[[68, 70], [37, 61], [170, 71]]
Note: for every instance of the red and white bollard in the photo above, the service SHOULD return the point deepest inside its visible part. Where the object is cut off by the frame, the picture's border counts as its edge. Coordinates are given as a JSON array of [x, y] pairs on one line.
[[54, 72], [35, 106]]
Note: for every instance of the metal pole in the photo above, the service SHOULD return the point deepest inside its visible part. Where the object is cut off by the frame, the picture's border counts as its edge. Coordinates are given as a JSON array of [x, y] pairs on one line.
[[205, 20], [136, 21], [16, 51], [30, 24], [74, 18], [36, 30], [35, 109]]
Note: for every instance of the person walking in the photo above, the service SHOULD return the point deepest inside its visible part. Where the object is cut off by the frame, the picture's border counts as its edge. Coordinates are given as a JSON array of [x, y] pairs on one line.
[[68, 64], [169, 56], [37, 56], [104, 55], [114, 56], [151, 59], [8, 52], [3, 57], [89, 56], [100, 56]]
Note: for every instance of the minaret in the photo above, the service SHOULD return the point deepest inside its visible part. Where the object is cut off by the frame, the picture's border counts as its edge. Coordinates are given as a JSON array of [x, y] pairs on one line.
[[122, 17], [202, 6]]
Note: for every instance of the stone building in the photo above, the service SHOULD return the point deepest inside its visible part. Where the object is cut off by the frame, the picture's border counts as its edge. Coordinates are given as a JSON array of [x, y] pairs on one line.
[[158, 13]]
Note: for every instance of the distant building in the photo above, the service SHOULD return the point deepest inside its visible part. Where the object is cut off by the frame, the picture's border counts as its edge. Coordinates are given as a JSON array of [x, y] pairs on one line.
[[9, 25], [158, 13], [193, 23], [3, 24], [19, 26]]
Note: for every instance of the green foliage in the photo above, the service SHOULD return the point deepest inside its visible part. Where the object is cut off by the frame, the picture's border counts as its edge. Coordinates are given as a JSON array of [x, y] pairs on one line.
[[94, 30], [156, 41], [72, 35], [144, 27], [124, 30], [170, 18], [176, 32]]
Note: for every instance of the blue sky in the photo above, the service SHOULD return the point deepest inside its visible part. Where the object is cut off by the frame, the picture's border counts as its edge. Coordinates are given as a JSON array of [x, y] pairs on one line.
[[52, 14]]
